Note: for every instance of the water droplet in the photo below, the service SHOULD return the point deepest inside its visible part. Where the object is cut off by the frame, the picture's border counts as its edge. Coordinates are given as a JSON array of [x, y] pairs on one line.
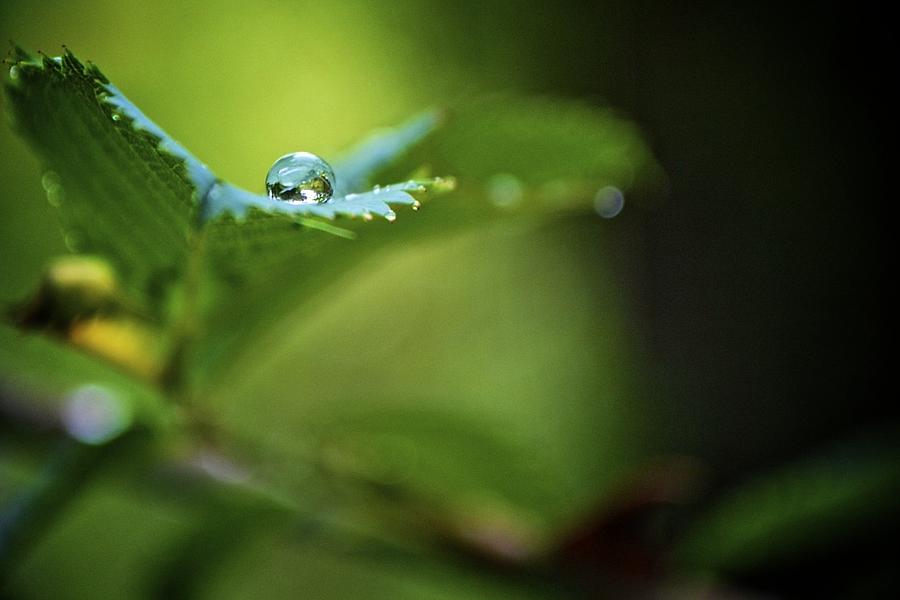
[[94, 415], [609, 201], [416, 205], [300, 178], [50, 179], [116, 117], [391, 216], [73, 241], [14, 72], [55, 195], [505, 191], [367, 217], [52, 184]]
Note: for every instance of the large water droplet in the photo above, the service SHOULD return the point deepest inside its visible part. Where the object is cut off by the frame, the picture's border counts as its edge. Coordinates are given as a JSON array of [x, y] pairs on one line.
[[300, 178]]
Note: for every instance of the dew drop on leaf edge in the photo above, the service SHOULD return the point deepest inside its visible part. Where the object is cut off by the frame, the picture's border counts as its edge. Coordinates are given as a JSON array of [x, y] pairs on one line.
[[300, 178]]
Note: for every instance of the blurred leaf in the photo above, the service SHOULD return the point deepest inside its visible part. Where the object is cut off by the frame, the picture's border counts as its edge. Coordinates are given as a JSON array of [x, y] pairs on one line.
[[537, 153], [364, 368], [800, 509], [120, 536], [276, 566], [357, 170]]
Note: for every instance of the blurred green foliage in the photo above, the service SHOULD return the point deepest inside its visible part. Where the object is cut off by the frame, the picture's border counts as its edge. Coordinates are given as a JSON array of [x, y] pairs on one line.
[[448, 406], [453, 420]]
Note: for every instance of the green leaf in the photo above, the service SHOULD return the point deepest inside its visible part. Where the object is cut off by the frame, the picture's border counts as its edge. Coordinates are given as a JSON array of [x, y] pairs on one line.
[[357, 170], [125, 190], [514, 159], [413, 333], [537, 154], [799, 509], [225, 198]]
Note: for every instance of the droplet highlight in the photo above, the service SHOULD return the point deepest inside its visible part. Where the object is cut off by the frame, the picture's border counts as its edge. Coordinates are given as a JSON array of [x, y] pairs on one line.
[[94, 415], [300, 178], [505, 190], [52, 185], [74, 241], [609, 202]]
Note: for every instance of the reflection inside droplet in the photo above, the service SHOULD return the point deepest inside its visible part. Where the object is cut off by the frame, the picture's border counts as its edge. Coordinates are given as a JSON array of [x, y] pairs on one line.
[[609, 201], [300, 178]]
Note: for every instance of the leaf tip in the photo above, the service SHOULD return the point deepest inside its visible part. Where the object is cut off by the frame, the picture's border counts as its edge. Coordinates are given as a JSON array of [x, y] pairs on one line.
[[17, 53]]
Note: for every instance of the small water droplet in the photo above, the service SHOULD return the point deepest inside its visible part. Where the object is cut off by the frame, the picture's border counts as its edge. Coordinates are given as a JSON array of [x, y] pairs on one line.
[[505, 190], [609, 202], [55, 196], [391, 216], [367, 217], [93, 414], [300, 178], [50, 179], [52, 185], [73, 241], [14, 72], [416, 205], [116, 116]]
